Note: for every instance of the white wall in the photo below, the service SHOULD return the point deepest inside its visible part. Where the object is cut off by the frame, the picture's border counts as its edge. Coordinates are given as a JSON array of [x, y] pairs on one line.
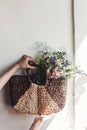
[[22, 23], [81, 59]]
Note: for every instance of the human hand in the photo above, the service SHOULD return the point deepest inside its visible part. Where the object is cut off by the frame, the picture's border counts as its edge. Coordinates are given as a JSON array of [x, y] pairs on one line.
[[36, 125], [23, 63]]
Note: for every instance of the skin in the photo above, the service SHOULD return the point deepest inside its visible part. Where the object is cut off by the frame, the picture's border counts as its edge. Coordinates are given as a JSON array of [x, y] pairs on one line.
[[23, 63], [36, 125]]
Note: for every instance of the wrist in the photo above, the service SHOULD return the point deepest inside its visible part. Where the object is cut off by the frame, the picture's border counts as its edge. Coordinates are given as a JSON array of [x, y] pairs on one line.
[[16, 67]]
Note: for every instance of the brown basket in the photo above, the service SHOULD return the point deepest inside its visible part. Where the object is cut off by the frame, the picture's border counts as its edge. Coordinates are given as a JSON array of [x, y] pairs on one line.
[[27, 97]]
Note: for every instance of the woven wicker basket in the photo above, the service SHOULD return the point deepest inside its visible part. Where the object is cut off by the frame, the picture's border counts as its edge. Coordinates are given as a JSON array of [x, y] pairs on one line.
[[27, 97]]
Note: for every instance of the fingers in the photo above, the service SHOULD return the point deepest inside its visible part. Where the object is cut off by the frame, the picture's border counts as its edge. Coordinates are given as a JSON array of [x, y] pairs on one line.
[[38, 120], [29, 60], [39, 117], [44, 117], [36, 125], [28, 57], [31, 67]]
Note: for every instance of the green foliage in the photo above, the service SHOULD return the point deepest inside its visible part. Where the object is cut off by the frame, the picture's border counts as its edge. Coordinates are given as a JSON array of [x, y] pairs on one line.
[[56, 63]]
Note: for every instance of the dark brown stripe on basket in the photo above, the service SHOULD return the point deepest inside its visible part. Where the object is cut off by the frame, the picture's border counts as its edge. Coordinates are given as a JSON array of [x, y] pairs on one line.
[[18, 86], [57, 88]]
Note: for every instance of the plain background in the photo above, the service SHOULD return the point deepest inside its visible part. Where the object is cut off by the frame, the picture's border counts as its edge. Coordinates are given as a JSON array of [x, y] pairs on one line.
[[81, 59], [24, 23]]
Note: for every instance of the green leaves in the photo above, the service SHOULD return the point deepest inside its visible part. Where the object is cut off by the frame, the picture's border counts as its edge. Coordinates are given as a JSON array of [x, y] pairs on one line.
[[56, 63]]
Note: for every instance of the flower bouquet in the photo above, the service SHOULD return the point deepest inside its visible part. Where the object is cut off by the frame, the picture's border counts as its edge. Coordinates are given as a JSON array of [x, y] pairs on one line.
[[54, 66], [51, 74], [43, 91]]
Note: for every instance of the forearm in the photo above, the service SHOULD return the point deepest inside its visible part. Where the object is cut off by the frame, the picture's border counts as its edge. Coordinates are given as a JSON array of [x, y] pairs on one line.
[[6, 76], [21, 64]]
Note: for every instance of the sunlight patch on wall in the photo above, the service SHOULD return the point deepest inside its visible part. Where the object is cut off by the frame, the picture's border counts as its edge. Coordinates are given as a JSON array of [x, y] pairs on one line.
[[81, 86], [81, 55]]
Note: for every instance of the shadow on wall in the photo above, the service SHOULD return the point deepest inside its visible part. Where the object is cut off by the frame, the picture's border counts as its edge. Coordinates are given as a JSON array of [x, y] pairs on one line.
[[80, 89], [81, 81], [81, 46]]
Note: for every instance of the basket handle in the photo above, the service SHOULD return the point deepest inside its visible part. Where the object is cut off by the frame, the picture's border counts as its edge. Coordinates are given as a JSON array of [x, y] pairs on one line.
[[27, 70], [38, 76]]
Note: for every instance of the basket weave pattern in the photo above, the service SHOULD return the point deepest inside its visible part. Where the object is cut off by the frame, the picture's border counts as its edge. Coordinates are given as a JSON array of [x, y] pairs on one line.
[[42, 100]]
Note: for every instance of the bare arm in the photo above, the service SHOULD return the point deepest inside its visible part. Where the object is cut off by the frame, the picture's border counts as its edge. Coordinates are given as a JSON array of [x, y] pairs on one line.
[[21, 64]]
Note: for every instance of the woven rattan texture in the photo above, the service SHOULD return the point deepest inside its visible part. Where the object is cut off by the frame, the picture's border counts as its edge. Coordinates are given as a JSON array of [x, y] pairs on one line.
[[39, 99]]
